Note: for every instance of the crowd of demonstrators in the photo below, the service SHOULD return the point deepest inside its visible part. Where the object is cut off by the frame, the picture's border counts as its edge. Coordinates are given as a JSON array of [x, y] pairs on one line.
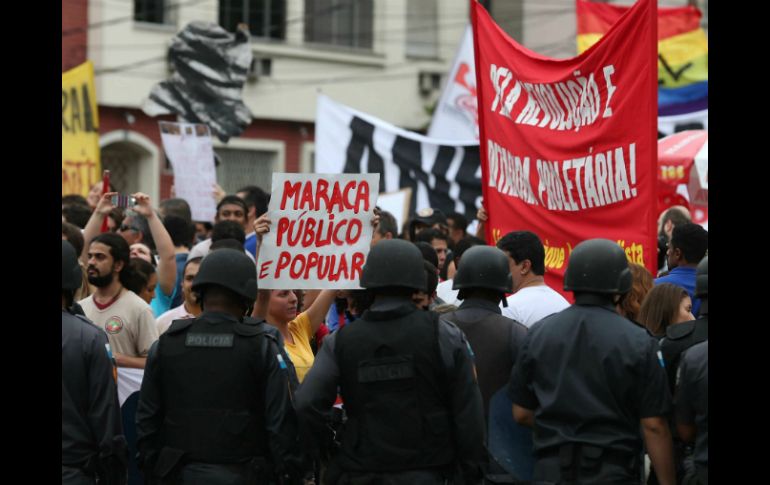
[[447, 336]]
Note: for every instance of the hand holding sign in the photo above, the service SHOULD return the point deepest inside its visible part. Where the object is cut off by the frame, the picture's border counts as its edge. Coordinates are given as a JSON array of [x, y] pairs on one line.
[[262, 226]]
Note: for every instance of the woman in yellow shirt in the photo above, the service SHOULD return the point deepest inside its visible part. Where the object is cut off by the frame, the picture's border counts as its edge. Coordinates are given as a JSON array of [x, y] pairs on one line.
[[279, 309], [297, 330]]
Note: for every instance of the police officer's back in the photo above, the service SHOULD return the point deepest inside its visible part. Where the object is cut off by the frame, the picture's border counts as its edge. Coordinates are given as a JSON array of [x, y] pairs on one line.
[[215, 404], [92, 437], [692, 410], [482, 281], [414, 409], [586, 377]]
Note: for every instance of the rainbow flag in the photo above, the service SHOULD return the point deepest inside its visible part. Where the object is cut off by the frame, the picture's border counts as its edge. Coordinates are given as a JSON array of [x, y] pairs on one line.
[[682, 52]]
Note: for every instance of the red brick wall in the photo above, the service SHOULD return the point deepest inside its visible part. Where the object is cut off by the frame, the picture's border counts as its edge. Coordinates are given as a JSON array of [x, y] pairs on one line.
[[290, 132], [293, 134], [74, 15]]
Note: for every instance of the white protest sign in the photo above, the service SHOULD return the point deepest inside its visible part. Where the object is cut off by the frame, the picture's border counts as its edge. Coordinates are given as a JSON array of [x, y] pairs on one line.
[[320, 233], [397, 203], [188, 148]]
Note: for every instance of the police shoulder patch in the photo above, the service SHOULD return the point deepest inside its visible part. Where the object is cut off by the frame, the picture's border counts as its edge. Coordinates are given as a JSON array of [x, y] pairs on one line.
[[217, 340], [680, 330], [178, 325], [248, 328]]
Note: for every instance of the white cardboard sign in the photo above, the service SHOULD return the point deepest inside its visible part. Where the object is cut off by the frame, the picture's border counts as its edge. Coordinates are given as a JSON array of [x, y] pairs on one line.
[[321, 231], [189, 149]]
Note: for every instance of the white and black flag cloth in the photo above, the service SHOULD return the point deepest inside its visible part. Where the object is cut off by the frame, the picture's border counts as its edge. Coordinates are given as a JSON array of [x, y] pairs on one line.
[[441, 175], [210, 68]]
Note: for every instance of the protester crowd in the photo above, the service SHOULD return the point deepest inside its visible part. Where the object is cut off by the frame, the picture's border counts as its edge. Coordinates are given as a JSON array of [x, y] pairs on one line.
[[456, 362]]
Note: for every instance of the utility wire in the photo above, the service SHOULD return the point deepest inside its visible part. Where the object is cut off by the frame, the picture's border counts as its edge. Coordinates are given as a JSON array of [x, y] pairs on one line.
[[533, 21]]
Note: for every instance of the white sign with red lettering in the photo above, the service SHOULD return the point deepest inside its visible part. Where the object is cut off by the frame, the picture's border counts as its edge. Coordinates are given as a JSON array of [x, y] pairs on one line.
[[321, 231]]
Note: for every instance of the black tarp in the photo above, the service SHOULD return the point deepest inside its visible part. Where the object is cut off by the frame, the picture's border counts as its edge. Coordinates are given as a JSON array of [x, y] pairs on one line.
[[210, 68]]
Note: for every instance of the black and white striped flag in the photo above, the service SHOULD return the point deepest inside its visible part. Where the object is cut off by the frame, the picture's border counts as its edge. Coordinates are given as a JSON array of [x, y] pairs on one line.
[[441, 174]]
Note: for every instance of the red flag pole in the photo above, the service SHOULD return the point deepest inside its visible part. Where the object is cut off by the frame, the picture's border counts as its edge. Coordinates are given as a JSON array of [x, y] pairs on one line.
[[105, 189]]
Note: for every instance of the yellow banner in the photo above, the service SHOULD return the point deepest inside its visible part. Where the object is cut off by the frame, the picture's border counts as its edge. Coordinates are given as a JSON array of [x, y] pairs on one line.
[[80, 166]]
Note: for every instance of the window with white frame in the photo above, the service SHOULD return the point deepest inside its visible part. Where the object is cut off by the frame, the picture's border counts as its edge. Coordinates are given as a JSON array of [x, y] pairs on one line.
[[265, 18], [345, 23], [153, 12], [422, 29], [240, 167]]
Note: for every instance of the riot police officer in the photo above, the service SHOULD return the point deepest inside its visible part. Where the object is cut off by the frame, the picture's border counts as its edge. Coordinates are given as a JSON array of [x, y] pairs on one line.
[[587, 377], [692, 410], [93, 445], [483, 279], [215, 403], [407, 381]]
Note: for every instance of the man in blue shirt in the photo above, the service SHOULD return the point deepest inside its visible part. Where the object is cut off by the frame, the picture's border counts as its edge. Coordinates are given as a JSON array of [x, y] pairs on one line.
[[689, 244]]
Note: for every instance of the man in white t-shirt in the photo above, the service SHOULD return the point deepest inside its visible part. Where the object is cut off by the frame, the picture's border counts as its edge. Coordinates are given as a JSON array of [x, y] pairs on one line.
[[126, 318], [532, 300]]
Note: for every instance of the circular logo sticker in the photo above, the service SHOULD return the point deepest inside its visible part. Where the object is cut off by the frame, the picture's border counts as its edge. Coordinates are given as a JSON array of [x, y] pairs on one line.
[[114, 325]]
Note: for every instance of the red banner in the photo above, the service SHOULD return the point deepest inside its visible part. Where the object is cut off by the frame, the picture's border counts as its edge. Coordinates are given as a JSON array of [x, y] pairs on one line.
[[568, 147]]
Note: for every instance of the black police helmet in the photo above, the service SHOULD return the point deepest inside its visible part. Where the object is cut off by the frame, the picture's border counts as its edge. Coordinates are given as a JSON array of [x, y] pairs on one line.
[[230, 269], [702, 278], [598, 266], [394, 262], [71, 274], [484, 267]]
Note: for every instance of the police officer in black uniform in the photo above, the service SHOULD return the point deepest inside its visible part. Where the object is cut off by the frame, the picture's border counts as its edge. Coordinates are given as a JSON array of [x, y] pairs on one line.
[[692, 410], [586, 378], [215, 403], [407, 380], [482, 281], [92, 444]]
